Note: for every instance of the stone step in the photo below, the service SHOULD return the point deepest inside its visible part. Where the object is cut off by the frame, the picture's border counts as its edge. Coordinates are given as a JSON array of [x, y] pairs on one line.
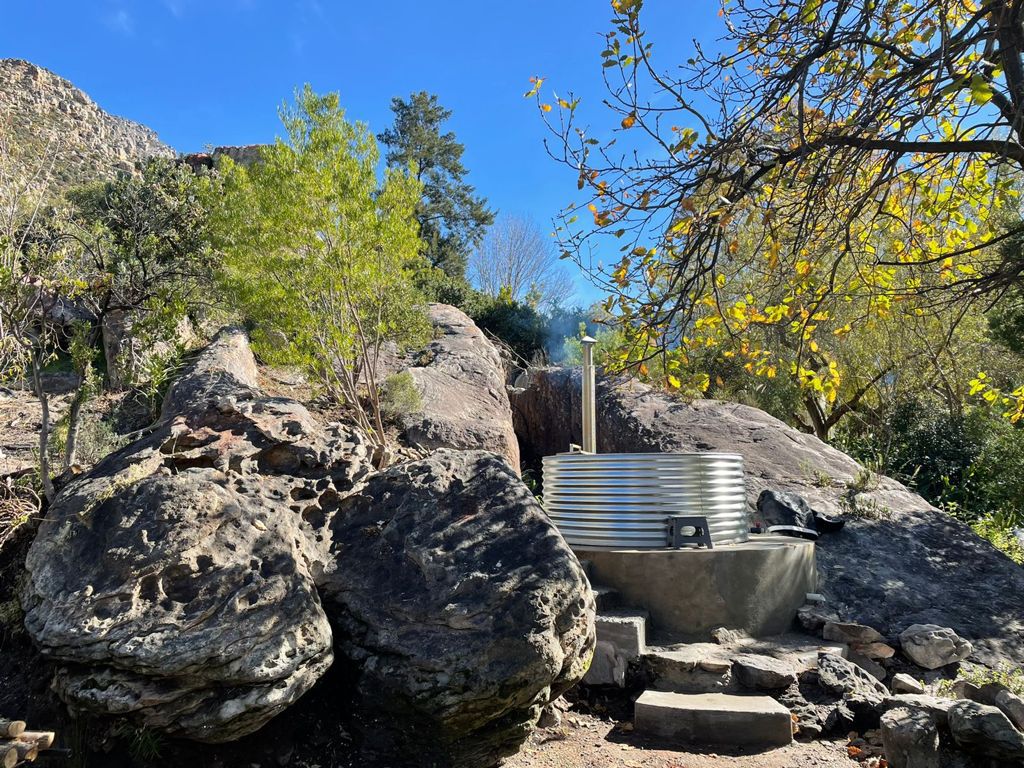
[[621, 639], [708, 667], [713, 718], [690, 668]]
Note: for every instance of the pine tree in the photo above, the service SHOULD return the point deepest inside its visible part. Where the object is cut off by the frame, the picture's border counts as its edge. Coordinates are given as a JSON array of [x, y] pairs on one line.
[[452, 217]]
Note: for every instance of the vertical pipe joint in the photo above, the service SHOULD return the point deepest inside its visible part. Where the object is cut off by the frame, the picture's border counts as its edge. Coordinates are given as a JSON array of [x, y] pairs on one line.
[[589, 396]]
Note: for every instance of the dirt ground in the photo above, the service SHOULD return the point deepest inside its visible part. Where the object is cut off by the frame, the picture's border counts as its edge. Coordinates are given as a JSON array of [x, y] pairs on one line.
[[584, 741]]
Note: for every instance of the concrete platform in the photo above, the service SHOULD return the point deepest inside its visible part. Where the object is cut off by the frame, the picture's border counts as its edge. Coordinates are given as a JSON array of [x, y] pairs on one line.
[[713, 718], [756, 586]]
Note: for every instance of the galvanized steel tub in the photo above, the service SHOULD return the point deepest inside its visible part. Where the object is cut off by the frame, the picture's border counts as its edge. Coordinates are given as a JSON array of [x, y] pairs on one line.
[[624, 500]]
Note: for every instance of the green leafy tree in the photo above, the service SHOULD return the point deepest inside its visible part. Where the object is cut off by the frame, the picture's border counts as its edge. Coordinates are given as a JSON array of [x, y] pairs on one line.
[[874, 147], [452, 217], [134, 246], [319, 252]]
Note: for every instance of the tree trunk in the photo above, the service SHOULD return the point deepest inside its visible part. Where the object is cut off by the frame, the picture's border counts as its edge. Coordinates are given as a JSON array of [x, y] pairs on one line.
[[819, 419], [44, 430], [74, 425]]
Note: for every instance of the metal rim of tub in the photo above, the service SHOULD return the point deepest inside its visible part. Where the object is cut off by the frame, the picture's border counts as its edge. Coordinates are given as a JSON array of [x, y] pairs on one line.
[[624, 500]]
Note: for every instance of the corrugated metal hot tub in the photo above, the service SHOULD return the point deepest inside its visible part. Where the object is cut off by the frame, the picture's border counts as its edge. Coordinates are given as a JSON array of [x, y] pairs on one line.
[[624, 500]]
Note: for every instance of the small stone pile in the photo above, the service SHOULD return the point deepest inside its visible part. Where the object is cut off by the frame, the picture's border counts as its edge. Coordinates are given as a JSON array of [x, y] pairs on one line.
[[908, 721]]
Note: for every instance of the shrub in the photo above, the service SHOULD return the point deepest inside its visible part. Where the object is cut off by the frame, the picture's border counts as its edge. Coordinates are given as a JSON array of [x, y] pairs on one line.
[[399, 396]]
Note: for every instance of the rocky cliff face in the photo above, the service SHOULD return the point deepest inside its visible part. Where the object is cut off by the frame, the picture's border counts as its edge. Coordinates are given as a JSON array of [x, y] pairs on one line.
[[45, 112]]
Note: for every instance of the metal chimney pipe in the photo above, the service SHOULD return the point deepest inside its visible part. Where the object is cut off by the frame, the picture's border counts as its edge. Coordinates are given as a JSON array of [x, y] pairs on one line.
[[589, 396]]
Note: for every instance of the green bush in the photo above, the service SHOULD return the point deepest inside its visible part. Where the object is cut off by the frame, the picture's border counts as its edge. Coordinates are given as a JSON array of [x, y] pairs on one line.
[[399, 396]]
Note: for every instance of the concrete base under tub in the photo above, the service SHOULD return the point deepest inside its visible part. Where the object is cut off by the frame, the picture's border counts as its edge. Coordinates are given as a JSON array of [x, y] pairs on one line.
[[756, 586]]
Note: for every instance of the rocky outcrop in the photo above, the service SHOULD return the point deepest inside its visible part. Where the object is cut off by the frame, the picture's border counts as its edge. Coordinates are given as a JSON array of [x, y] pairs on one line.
[[899, 561], [461, 383], [462, 610], [45, 110], [174, 582], [201, 579]]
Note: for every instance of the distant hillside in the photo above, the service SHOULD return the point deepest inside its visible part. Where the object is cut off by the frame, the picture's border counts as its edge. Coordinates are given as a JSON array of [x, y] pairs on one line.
[[41, 110]]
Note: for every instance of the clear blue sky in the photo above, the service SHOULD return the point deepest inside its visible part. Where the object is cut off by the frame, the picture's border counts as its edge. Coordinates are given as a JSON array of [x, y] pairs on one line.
[[210, 72]]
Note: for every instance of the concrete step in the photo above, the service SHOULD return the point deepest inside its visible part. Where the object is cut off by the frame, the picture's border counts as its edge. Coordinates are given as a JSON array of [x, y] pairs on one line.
[[713, 718], [621, 639]]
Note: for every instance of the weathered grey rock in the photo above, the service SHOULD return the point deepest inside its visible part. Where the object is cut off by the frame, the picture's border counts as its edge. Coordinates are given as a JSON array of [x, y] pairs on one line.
[[1012, 706], [904, 683], [174, 582], [846, 632], [903, 562], [985, 730], [937, 708], [461, 383], [996, 695], [813, 618], [910, 739], [869, 665], [859, 689], [931, 646], [874, 651], [459, 606], [763, 673]]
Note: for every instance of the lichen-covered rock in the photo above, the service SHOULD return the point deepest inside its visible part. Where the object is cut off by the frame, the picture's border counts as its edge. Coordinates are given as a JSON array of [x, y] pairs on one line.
[[461, 383], [898, 561], [174, 583], [460, 607]]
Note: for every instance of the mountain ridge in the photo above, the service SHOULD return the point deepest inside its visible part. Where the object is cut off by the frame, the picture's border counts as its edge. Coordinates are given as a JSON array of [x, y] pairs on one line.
[[47, 115]]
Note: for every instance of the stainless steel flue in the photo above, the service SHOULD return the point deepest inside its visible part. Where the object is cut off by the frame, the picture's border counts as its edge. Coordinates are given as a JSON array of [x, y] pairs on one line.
[[589, 396]]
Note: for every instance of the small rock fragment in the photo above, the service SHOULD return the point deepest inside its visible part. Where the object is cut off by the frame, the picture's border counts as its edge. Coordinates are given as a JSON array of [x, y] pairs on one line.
[[904, 683]]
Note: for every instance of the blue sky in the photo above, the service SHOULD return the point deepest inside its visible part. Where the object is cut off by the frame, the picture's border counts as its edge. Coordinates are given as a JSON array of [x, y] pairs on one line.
[[209, 72]]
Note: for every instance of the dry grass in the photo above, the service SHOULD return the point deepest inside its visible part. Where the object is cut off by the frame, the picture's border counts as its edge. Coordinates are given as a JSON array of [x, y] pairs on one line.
[[19, 505]]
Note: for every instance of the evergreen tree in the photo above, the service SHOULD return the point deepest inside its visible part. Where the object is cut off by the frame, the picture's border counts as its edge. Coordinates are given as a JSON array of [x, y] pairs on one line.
[[452, 217]]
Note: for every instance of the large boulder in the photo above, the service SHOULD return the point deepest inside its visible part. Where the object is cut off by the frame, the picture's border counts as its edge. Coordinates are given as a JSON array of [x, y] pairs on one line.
[[173, 582], [899, 561], [202, 579], [462, 610], [461, 383]]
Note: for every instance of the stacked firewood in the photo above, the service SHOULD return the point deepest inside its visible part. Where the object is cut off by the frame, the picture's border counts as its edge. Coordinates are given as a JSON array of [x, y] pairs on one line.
[[18, 745]]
